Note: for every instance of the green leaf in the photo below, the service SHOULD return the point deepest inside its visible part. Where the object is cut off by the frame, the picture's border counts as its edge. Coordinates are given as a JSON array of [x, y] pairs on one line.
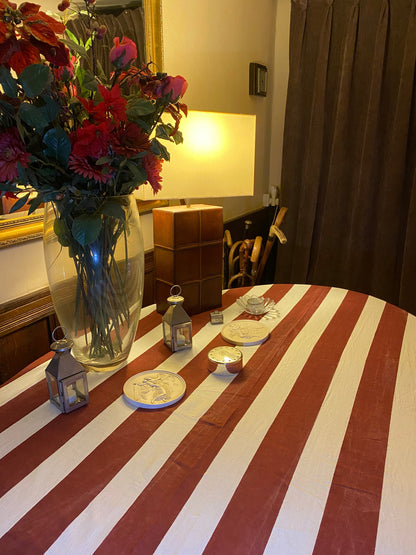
[[137, 107], [74, 45], [100, 72], [34, 79], [86, 228], [33, 117], [114, 209], [79, 74], [34, 203], [50, 109], [19, 203], [89, 82], [178, 137], [58, 145], [6, 109], [163, 132], [8, 82], [138, 172], [104, 160], [128, 186], [71, 36], [32, 176], [9, 188], [160, 150], [22, 173], [7, 116], [61, 232]]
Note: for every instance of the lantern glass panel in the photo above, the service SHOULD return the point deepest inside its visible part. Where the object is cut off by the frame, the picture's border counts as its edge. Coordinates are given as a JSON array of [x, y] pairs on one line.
[[182, 336], [167, 336], [53, 387], [75, 392]]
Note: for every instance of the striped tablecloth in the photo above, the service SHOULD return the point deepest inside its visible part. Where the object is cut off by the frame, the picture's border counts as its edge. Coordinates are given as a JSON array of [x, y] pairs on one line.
[[311, 449]]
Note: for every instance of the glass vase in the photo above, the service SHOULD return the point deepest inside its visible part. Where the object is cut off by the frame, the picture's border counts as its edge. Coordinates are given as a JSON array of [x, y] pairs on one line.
[[94, 259]]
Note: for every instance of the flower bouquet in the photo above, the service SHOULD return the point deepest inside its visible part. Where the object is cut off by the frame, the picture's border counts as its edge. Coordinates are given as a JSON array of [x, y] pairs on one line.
[[82, 142]]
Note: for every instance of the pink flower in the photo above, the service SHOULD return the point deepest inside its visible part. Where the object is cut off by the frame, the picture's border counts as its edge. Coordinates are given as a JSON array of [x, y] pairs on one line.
[[12, 152], [123, 53], [87, 168], [175, 85]]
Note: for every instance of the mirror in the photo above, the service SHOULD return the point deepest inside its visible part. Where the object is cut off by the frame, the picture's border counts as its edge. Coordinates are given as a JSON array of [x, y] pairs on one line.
[[20, 227]]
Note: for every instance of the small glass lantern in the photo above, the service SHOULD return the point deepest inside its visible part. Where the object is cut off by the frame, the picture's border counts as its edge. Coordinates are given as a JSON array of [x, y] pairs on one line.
[[177, 326], [66, 378]]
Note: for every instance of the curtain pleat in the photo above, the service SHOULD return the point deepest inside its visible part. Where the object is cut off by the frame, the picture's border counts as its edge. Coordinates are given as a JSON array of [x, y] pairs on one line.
[[348, 173], [394, 193], [302, 149]]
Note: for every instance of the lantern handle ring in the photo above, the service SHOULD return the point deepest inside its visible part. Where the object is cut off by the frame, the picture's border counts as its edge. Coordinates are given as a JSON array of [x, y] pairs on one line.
[[173, 288], [64, 330]]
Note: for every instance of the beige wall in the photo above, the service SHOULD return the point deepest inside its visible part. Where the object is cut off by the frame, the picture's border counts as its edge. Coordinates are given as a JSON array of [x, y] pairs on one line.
[[211, 44]]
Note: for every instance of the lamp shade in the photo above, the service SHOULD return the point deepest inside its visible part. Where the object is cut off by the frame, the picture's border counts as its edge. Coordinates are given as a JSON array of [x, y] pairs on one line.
[[216, 158]]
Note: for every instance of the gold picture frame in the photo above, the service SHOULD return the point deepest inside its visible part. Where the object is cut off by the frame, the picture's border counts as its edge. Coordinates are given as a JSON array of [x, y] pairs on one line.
[[19, 228]]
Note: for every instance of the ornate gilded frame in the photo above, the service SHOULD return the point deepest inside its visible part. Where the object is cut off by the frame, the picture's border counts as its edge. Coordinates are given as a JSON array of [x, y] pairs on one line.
[[20, 228]]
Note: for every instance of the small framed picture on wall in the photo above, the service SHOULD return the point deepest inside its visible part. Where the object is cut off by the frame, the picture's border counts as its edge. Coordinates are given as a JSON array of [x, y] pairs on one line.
[[258, 79]]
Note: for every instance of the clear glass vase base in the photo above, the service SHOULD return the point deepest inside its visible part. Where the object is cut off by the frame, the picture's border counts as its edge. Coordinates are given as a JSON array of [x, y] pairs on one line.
[[109, 367]]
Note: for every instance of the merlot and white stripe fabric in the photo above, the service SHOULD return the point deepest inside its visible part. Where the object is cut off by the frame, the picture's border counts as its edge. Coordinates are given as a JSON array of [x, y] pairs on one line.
[[310, 449]]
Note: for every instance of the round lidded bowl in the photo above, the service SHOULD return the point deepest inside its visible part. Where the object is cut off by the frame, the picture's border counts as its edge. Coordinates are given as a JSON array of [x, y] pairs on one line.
[[225, 360]]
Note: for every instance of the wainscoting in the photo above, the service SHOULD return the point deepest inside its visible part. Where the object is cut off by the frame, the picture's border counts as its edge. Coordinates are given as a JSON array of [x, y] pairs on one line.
[[26, 324]]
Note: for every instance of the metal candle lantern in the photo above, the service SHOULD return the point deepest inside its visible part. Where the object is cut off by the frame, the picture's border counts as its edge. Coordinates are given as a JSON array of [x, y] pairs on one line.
[[66, 378], [177, 325]]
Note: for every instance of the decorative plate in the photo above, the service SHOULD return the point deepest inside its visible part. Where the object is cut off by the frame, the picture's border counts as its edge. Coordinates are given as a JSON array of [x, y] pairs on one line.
[[257, 306], [154, 389], [245, 332]]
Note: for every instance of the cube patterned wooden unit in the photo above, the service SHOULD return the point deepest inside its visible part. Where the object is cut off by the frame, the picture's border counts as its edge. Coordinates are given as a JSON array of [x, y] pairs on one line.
[[188, 250]]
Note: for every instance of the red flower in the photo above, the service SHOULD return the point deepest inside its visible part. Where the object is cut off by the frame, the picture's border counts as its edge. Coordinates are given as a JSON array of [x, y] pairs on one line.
[[12, 152], [90, 143], [88, 104], [25, 33], [114, 105], [90, 140], [153, 166], [123, 53], [129, 139]]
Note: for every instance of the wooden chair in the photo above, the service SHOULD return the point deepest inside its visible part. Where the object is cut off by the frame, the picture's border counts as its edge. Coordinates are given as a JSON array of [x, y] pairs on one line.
[[245, 260]]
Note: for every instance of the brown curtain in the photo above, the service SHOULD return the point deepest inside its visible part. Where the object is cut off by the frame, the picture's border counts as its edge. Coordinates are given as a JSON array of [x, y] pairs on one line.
[[126, 22], [349, 154]]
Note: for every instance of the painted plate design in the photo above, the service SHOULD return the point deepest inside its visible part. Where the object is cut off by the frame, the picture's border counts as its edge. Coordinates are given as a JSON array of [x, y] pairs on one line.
[[245, 332], [154, 389]]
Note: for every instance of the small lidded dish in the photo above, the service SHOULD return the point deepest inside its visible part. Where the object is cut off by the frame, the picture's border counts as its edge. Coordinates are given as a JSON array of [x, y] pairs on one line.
[[255, 305], [225, 360]]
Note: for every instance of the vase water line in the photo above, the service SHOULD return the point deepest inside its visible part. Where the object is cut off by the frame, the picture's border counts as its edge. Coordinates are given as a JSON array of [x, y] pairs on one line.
[[96, 274]]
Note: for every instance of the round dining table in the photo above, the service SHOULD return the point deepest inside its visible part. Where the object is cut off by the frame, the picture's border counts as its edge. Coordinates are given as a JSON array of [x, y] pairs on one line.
[[309, 449]]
